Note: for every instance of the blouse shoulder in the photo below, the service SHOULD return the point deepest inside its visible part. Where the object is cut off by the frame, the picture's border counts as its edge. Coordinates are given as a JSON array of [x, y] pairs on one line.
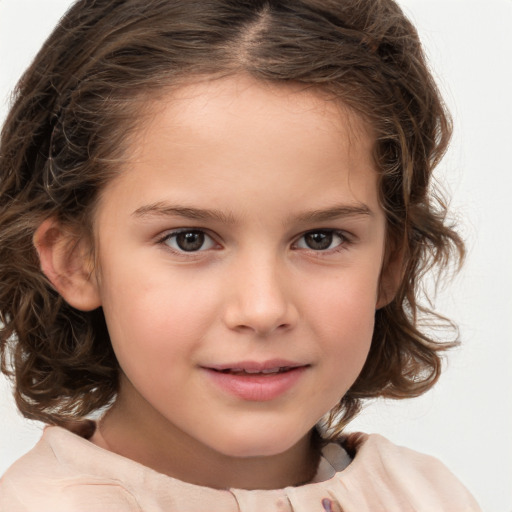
[[33, 481], [391, 477]]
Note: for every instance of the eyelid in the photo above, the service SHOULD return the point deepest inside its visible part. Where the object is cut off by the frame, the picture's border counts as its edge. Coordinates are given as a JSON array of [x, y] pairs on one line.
[[347, 239], [175, 232]]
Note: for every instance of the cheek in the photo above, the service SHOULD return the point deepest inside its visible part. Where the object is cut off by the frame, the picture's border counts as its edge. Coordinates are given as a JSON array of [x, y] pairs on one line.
[[346, 302], [348, 337], [153, 316], [342, 313]]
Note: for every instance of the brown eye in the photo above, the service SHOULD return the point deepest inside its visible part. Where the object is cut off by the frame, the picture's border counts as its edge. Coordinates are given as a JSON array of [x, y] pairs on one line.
[[321, 240], [191, 240]]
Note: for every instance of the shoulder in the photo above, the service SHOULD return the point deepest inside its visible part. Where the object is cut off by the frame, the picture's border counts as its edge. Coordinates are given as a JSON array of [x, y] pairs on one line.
[[50, 477], [394, 478]]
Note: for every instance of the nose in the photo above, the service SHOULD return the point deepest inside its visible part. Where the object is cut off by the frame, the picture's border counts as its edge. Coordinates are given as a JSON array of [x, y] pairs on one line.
[[260, 298]]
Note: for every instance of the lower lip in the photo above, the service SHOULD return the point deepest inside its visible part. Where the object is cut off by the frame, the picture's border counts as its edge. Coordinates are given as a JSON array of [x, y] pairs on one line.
[[257, 387]]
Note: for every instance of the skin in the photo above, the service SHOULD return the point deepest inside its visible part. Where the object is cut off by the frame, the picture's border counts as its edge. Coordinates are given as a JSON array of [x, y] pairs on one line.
[[267, 160]]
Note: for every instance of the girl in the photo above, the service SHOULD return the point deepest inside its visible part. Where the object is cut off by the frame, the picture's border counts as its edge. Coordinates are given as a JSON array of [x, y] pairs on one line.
[[213, 220]]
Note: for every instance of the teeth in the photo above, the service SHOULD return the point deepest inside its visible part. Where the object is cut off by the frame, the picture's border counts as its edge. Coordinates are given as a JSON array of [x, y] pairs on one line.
[[271, 370], [256, 372]]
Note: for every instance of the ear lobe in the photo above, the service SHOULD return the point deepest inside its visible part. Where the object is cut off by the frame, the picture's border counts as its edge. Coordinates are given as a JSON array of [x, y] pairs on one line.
[[390, 278], [66, 262]]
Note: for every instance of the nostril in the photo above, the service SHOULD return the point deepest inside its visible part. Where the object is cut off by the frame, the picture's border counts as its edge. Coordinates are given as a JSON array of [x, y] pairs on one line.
[[261, 325]]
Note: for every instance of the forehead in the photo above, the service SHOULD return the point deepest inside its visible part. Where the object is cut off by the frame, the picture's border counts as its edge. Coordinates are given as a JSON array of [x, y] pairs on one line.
[[240, 99], [245, 136]]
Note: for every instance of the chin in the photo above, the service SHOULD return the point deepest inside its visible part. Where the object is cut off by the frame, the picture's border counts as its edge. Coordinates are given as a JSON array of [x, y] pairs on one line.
[[247, 444]]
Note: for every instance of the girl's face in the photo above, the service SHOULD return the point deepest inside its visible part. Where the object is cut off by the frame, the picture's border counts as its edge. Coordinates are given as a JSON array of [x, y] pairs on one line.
[[239, 257]]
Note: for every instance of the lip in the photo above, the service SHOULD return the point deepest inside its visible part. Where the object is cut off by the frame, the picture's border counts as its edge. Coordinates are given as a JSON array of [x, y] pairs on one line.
[[256, 381], [256, 366]]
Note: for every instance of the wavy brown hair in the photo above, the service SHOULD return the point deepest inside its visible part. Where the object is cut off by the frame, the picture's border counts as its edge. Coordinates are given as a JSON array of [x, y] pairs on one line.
[[74, 110]]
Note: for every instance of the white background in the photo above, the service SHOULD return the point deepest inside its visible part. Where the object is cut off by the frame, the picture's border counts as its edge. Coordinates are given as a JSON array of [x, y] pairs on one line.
[[467, 419]]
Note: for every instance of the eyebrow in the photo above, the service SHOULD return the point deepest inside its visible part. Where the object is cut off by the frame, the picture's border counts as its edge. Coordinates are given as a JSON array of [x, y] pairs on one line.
[[334, 212], [163, 209]]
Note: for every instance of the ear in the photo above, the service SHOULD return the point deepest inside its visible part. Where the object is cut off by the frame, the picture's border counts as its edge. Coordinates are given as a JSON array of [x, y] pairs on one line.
[[391, 277], [67, 262]]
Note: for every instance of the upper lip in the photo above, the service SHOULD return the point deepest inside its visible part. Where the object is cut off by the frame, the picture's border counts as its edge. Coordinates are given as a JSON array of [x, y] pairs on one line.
[[256, 366]]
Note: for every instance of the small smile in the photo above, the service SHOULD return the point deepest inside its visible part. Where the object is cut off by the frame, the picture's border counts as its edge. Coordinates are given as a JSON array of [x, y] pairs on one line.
[[269, 366], [256, 382], [247, 371]]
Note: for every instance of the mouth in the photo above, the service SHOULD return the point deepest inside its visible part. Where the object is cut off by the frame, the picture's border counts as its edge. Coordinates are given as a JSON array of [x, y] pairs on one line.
[[247, 371], [270, 367], [257, 382]]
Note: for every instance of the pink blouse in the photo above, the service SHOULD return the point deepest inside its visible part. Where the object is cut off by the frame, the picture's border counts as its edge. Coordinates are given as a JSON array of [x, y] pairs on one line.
[[66, 473]]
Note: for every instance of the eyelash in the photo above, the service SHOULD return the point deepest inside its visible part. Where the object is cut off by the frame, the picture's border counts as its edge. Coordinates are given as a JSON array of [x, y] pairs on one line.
[[342, 235], [345, 240], [174, 234]]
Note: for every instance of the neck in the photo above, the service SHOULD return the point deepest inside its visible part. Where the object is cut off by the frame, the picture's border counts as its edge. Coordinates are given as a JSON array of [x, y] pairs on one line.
[[133, 430]]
